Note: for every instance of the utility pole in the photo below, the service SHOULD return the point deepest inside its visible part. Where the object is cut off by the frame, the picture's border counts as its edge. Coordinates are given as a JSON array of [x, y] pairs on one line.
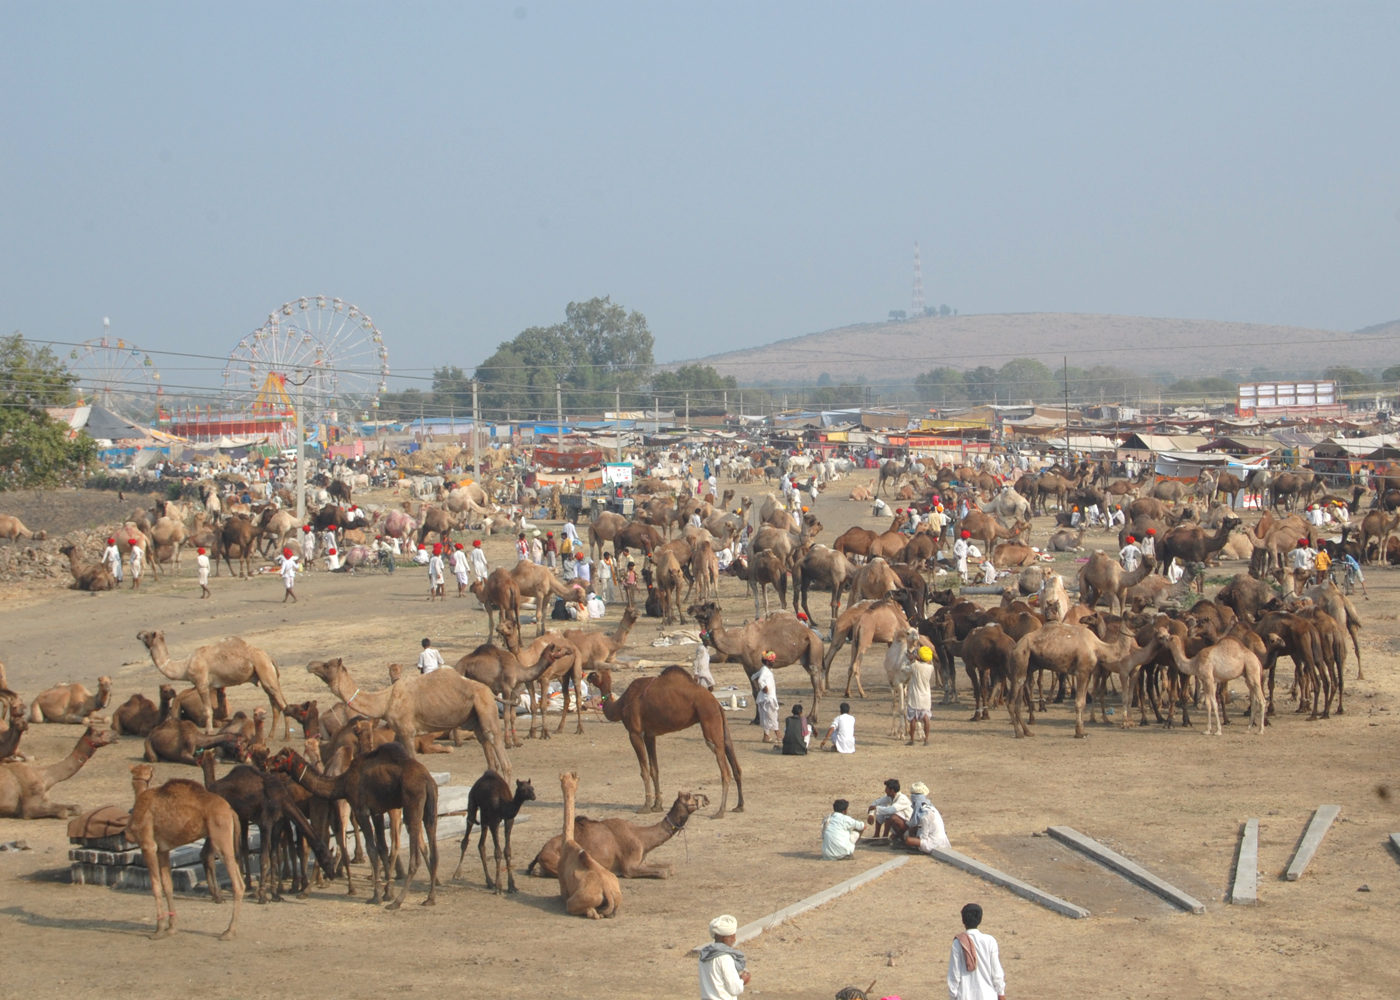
[[301, 458], [1066, 411], [617, 419], [726, 402], [687, 411], [559, 412], [476, 432], [656, 412]]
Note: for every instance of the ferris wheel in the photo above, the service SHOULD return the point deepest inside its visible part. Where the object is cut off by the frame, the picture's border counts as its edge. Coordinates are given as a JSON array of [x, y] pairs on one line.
[[116, 375], [334, 347]]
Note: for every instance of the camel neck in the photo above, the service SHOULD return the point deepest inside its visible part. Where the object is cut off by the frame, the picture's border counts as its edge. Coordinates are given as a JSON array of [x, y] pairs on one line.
[[161, 658], [70, 765], [568, 815]]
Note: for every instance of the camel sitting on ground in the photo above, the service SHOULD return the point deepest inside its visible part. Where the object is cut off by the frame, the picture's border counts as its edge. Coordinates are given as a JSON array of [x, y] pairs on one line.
[[587, 887], [620, 846], [670, 703], [10, 736], [225, 664], [779, 633], [93, 577], [499, 592], [539, 583], [177, 740], [24, 787], [1215, 665], [422, 703], [71, 704], [491, 803], [138, 715], [180, 812]]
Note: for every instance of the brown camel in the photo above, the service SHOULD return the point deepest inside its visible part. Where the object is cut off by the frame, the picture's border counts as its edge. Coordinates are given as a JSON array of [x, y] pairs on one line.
[[620, 846], [1190, 543], [1218, 664], [669, 703], [588, 889], [180, 812], [177, 740], [871, 582], [603, 526], [441, 700], [766, 570], [1103, 580], [24, 787], [491, 803], [1374, 526], [825, 569], [779, 633], [237, 538], [501, 671], [598, 649], [138, 715], [500, 593], [225, 664], [1071, 650], [541, 670], [10, 736], [539, 583], [987, 529], [1327, 597], [1010, 555], [865, 623], [854, 542], [70, 704], [12, 528], [94, 577], [669, 577]]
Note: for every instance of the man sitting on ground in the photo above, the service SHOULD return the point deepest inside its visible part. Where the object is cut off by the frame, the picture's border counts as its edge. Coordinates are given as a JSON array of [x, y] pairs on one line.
[[840, 833], [890, 813]]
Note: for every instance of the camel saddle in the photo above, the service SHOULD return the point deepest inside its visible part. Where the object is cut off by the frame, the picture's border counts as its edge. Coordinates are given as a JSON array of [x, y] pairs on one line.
[[104, 821]]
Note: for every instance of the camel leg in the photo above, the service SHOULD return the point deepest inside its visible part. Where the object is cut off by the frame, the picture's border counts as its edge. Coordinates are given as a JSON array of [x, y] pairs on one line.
[[415, 853], [222, 836], [204, 699], [496, 841], [206, 858], [655, 768], [466, 842], [153, 866], [857, 653], [639, 748]]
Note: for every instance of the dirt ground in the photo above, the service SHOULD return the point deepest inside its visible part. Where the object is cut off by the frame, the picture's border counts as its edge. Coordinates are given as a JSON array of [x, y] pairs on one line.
[[1171, 800]]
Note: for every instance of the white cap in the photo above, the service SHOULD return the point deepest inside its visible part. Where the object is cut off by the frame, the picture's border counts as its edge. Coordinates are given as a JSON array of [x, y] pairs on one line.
[[723, 926]]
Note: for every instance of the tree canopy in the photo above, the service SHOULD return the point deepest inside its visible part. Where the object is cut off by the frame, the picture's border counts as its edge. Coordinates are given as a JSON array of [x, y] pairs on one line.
[[36, 450], [706, 386]]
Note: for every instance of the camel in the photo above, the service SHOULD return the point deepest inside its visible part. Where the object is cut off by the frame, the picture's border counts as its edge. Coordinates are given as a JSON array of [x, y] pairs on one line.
[[873, 581], [1152, 592], [176, 740], [1010, 555], [786, 545], [826, 569], [10, 736], [1218, 664], [780, 633], [228, 663], [550, 657], [435, 520], [986, 655], [71, 704], [1008, 507], [640, 536], [620, 846], [92, 577], [24, 787], [886, 623], [603, 526], [597, 649], [670, 703], [1374, 525], [441, 700], [892, 470], [668, 577], [987, 529], [180, 812], [766, 570], [588, 889], [500, 592], [236, 540], [1054, 601], [501, 671], [12, 528], [1104, 577], [491, 802], [704, 570], [1049, 485], [539, 583], [1331, 600], [1190, 543], [855, 542], [1066, 541], [1071, 650]]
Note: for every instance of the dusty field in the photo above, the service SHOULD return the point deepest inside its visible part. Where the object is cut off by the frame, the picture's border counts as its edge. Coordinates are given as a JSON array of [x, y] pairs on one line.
[[1171, 800]]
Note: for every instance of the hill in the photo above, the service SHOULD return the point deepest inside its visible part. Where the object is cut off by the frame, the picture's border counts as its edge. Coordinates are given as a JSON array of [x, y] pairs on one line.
[[1185, 347]]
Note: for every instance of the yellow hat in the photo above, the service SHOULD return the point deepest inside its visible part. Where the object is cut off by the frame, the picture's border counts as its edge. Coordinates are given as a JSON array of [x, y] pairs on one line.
[[925, 654]]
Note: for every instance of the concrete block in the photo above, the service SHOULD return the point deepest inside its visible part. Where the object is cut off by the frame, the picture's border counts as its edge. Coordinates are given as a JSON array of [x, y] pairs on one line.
[[1317, 828], [1244, 890], [1023, 889], [1135, 872]]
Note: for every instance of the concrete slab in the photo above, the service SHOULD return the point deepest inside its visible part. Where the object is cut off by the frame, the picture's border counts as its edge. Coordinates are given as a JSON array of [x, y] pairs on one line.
[[1244, 890], [1023, 889], [1131, 870], [753, 929], [1395, 841], [1317, 828]]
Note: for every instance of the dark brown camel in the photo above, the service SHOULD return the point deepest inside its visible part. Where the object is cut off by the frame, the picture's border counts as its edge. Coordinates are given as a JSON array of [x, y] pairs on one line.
[[500, 593], [670, 703], [490, 803], [176, 740], [138, 715]]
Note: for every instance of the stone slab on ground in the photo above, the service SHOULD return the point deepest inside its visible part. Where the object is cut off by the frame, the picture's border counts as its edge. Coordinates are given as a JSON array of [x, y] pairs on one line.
[[1023, 889], [1129, 869], [1316, 829], [1244, 890]]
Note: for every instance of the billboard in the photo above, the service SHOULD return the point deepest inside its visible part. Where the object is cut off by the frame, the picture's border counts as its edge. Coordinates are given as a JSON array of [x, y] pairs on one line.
[[1273, 395]]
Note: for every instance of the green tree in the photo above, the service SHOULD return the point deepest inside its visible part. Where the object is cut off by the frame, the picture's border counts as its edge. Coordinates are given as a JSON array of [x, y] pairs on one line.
[[1347, 379], [599, 346], [941, 386], [706, 386], [36, 450], [1391, 374], [980, 385], [1023, 379], [452, 388], [841, 396]]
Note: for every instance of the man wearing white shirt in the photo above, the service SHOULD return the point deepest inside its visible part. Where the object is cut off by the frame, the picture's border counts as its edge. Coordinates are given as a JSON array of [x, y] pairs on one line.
[[1130, 555], [889, 814], [308, 545], [722, 972], [842, 732], [112, 556], [974, 967], [430, 659], [840, 833], [961, 548]]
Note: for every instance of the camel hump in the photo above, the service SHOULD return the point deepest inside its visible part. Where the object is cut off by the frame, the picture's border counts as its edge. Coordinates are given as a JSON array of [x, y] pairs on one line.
[[675, 668]]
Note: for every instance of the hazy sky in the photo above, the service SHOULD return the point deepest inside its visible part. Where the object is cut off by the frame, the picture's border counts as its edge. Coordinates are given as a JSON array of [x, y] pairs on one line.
[[738, 172]]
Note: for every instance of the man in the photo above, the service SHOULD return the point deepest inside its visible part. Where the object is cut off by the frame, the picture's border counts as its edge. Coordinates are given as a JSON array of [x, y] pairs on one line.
[[889, 814], [202, 562], [459, 568], [700, 667], [766, 697], [288, 571], [1149, 544], [961, 548], [308, 545], [480, 570], [1304, 562], [420, 557], [936, 524], [842, 732], [919, 692], [840, 833], [797, 733], [137, 554], [584, 570], [551, 550], [112, 556], [329, 543], [925, 830], [571, 533], [974, 967], [435, 573], [722, 972], [430, 659], [1130, 555]]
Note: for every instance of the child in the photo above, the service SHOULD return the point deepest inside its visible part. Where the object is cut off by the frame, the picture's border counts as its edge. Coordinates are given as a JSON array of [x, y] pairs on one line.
[[1324, 567], [605, 578], [522, 548], [551, 550], [1353, 576], [430, 659], [203, 563], [629, 584], [840, 833], [288, 571]]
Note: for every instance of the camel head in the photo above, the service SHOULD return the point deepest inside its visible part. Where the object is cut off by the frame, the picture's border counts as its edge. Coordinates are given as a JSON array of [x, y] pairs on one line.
[[524, 790], [395, 672], [690, 802], [704, 613], [148, 639], [287, 761], [104, 686], [568, 781], [327, 670], [97, 738], [557, 651], [142, 774], [602, 680]]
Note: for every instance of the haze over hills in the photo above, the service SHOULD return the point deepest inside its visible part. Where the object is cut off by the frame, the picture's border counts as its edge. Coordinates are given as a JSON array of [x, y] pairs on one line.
[[897, 351]]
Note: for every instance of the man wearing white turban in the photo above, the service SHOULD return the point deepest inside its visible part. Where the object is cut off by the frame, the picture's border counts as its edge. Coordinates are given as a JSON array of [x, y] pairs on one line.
[[722, 972], [925, 831]]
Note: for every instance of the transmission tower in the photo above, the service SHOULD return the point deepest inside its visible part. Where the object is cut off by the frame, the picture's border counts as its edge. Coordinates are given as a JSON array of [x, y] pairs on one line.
[[918, 304]]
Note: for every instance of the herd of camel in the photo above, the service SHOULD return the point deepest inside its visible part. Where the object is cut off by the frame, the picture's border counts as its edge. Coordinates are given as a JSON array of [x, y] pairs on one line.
[[359, 761]]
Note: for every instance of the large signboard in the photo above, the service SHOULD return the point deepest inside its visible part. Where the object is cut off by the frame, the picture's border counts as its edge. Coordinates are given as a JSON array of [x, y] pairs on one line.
[[620, 473], [1271, 395]]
